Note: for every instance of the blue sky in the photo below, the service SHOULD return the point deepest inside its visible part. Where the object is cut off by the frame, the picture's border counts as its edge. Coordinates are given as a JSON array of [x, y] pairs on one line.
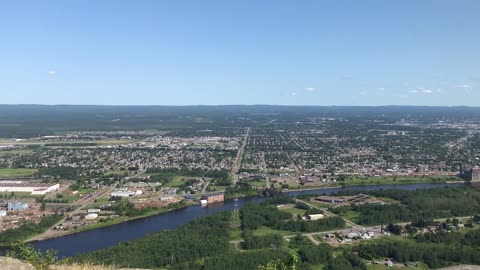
[[287, 52]]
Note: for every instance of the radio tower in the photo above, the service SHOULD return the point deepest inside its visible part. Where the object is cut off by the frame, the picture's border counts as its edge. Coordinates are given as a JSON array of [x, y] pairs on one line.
[[235, 207]]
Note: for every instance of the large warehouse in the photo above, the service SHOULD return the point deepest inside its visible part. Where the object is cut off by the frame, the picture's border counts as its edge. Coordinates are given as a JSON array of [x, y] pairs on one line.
[[33, 188]]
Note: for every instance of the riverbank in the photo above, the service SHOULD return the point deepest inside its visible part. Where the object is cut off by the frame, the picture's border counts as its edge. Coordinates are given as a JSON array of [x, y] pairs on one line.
[[87, 241], [99, 225]]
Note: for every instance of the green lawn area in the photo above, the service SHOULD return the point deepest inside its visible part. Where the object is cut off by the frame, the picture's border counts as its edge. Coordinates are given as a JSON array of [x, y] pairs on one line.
[[19, 195], [295, 186], [257, 183], [236, 234], [116, 173], [319, 204], [290, 208], [317, 267], [109, 142], [351, 215], [102, 200], [70, 197], [399, 180], [16, 172], [176, 182], [218, 188], [262, 231], [15, 152]]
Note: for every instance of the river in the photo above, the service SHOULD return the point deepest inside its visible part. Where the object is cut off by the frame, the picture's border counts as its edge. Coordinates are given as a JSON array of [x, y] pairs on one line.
[[87, 241]]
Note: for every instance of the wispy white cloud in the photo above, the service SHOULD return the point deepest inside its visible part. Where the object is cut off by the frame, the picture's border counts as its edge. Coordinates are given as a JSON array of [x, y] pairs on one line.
[[422, 90], [464, 86], [293, 93], [52, 72], [381, 88], [310, 89]]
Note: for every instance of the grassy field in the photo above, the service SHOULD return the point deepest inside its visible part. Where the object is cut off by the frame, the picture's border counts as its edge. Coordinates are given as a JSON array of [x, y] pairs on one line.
[[70, 197], [352, 216], [116, 173], [319, 204], [16, 172], [176, 181], [290, 208], [262, 231], [218, 188], [20, 195], [20, 152], [399, 180], [257, 183]]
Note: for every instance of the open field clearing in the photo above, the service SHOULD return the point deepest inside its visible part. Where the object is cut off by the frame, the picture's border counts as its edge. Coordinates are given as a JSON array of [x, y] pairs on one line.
[[16, 172]]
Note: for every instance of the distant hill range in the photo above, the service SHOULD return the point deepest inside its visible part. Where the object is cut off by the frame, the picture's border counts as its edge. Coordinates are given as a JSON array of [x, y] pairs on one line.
[[20, 121]]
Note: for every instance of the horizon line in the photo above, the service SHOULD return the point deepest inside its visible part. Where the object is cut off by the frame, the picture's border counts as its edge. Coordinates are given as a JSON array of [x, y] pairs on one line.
[[225, 105]]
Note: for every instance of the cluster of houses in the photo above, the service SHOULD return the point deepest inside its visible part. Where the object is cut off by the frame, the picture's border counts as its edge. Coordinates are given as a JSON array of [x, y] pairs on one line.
[[350, 237]]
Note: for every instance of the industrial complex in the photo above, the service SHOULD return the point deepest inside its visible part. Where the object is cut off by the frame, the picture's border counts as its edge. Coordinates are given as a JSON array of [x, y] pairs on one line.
[[32, 187]]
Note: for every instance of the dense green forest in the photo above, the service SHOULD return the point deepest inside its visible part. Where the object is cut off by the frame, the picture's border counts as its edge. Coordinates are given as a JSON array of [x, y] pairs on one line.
[[435, 255], [28, 229], [264, 214], [415, 205], [201, 238], [204, 244]]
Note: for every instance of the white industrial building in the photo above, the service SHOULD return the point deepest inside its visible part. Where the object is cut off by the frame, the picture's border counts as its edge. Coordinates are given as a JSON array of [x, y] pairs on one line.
[[315, 216], [33, 188], [91, 216], [122, 193]]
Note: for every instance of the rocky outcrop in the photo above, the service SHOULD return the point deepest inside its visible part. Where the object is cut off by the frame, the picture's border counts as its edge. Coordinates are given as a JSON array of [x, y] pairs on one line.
[[7, 263], [462, 267]]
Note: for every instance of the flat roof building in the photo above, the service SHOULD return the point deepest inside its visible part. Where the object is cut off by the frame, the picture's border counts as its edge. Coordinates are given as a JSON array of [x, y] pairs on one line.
[[122, 193], [17, 206], [315, 216], [33, 188], [215, 197]]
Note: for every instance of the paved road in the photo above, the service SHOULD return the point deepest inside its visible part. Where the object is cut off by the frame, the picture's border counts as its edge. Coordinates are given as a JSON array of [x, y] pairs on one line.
[[238, 160], [137, 174], [204, 189], [460, 142]]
